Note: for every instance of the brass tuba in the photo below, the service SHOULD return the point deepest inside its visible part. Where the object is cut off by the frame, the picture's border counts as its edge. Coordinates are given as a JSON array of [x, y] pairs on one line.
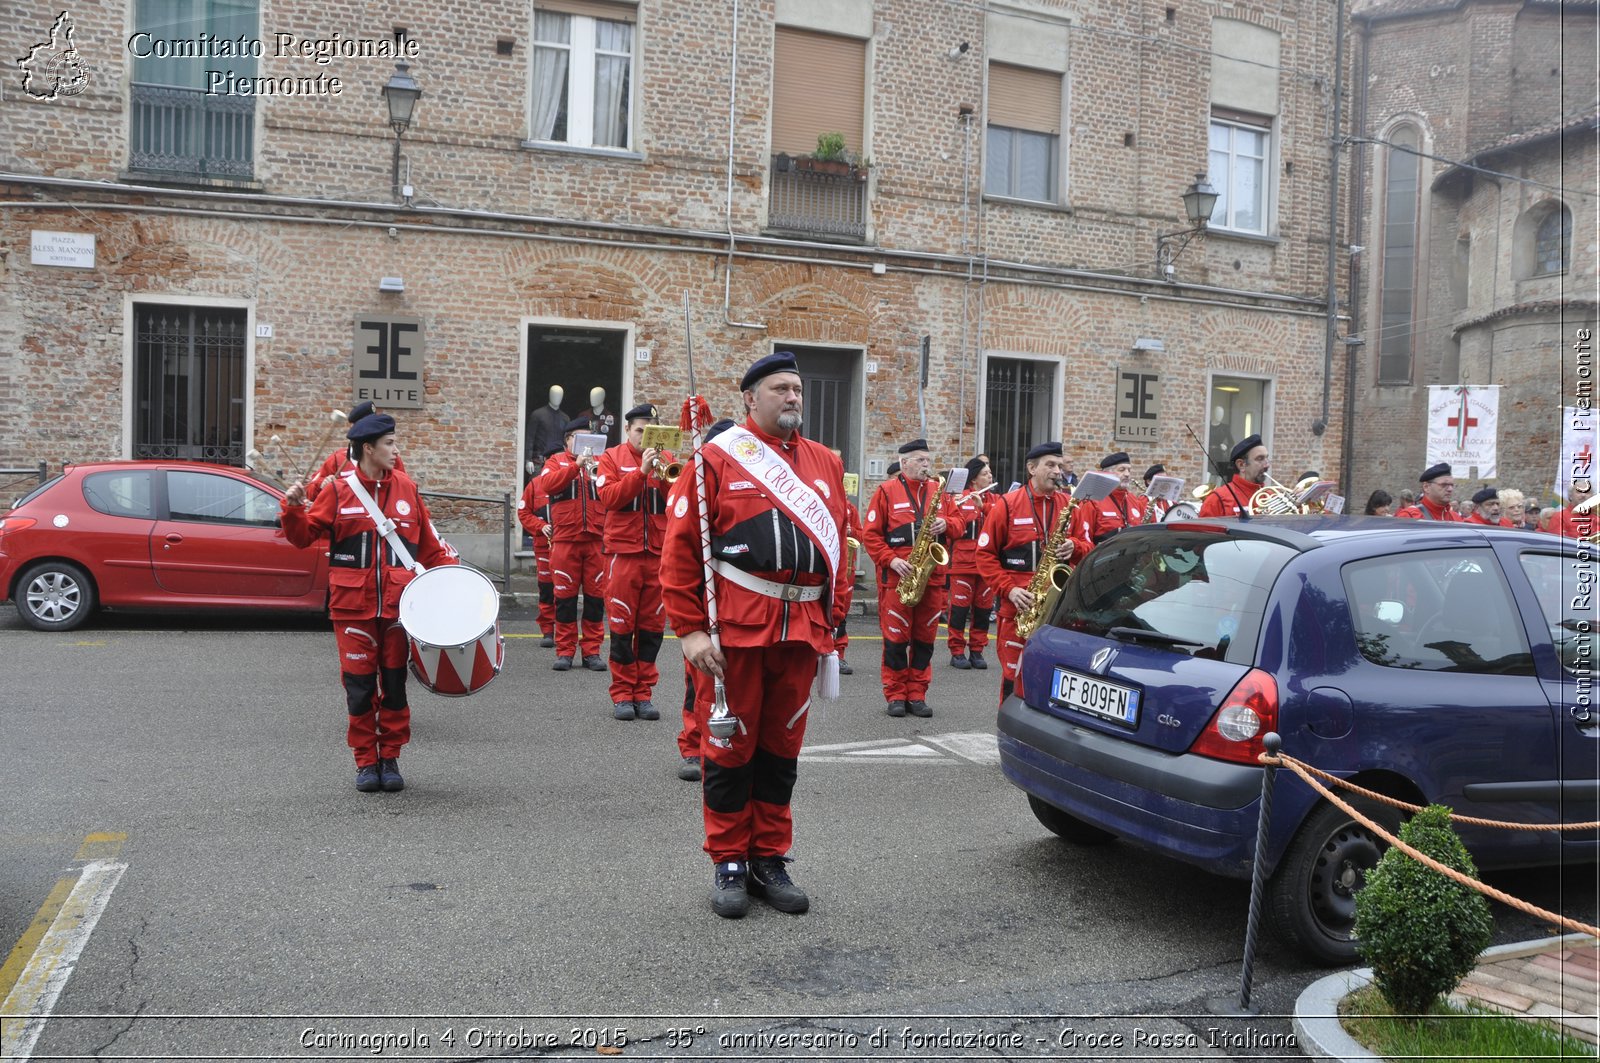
[[926, 552]]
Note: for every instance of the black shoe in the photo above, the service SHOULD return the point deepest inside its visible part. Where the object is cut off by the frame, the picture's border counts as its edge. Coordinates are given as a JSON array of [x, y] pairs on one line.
[[547, 641], [563, 664], [689, 770], [845, 669], [769, 880], [729, 898], [647, 710], [977, 661], [919, 708], [896, 708], [594, 662], [389, 772], [368, 780], [959, 660], [622, 710]]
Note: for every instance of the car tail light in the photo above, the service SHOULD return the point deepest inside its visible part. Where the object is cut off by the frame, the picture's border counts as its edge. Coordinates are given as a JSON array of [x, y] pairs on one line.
[[1248, 712], [13, 524]]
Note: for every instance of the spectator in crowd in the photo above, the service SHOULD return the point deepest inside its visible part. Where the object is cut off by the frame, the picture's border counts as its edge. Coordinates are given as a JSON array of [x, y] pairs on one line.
[[1408, 498], [1380, 504], [1511, 503], [1530, 513]]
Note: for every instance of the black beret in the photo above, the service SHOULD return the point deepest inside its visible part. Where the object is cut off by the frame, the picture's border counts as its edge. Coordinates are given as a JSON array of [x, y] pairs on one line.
[[1153, 471], [974, 467], [913, 446], [1119, 458], [1041, 450], [894, 467], [372, 426], [360, 410], [644, 409], [1309, 474], [577, 424], [717, 429], [1433, 472], [776, 362], [1243, 447], [1488, 494]]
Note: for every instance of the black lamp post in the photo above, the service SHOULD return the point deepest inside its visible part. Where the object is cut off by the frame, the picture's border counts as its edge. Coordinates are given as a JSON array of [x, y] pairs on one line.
[[1199, 199], [401, 94]]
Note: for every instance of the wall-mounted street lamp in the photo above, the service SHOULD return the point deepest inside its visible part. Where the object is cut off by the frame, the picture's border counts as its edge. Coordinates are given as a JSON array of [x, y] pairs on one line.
[[1198, 201], [401, 94]]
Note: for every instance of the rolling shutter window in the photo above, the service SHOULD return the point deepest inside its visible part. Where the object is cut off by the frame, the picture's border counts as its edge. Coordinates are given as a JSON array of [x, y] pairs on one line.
[[1020, 98], [604, 9], [818, 86]]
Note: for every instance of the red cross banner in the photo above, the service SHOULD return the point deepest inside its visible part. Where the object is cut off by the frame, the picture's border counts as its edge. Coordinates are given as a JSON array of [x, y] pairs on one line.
[[1577, 447], [1463, 424]]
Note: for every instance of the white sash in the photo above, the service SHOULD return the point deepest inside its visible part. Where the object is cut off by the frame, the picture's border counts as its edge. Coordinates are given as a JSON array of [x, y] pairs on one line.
[[785, 487], [385, 525]]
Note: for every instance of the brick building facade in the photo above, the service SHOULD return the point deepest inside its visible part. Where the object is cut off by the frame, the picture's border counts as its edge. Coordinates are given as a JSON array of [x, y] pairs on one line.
[[1486, 252], [574, 168]]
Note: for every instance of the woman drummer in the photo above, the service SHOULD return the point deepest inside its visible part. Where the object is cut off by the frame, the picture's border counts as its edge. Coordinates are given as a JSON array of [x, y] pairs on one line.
[[365, 579]]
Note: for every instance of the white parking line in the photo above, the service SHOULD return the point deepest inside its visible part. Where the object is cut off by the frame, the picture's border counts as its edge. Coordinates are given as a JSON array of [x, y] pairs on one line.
[[976, 747], [34, 996], [980, 747]]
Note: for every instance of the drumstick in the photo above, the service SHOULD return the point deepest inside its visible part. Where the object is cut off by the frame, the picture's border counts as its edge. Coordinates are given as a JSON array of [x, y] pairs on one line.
[[337, 418]]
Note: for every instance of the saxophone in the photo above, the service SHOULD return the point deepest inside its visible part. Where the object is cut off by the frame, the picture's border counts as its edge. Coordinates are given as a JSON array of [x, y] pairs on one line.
[[926, 552], [1049, 578]]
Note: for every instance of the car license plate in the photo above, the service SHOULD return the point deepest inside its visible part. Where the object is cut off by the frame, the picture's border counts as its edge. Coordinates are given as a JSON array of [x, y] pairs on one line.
[[1096, 697]]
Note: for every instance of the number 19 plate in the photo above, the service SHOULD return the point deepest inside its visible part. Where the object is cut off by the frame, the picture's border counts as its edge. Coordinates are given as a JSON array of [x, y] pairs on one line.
[[1096, 697]]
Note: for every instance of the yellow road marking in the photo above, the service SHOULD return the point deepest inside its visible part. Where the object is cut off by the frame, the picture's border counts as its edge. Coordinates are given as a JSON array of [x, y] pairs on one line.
[[100, 845]]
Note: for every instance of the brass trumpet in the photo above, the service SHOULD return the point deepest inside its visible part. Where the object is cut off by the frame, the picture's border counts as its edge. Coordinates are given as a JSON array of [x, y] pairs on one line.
[[668, 471]]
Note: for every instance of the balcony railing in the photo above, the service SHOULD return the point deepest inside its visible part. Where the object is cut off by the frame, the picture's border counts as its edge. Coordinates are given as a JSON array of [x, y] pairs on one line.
[[812, 203], [186, 132]]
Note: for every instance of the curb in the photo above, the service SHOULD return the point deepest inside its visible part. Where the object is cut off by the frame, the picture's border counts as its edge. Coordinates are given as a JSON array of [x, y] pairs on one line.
[[1316, 1010]]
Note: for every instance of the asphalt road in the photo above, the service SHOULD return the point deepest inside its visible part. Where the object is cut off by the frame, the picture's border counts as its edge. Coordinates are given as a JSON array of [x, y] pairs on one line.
[[539, 885]]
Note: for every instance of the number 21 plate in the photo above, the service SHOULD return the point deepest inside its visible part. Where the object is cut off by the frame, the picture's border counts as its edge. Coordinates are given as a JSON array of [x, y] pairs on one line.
[[1096, 697]]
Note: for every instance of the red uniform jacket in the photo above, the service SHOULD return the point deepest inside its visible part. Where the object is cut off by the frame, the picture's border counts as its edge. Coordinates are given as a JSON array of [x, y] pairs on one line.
[[1572, 525], [964, 555], [635, 502], [894, 515], [1096, 521], [750, 532], [1425, 510], [1229, 499], [1017, 526], [364, 577], [533, 512], [575, 511], [333, 465]]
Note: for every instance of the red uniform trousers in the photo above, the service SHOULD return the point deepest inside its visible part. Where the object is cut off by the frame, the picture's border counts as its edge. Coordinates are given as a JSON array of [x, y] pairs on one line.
[[373, 655], [970, 599], [578, 567], [689, 733], [747, 787], [1010, 651], [909, 633], [547, 584], [637, 620]]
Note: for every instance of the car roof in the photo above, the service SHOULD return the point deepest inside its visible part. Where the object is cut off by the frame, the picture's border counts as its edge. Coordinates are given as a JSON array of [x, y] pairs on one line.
[[1310, 532]]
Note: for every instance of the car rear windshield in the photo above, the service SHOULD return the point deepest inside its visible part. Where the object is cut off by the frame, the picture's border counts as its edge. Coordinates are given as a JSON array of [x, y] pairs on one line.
[[36, 492], [1201, 594]]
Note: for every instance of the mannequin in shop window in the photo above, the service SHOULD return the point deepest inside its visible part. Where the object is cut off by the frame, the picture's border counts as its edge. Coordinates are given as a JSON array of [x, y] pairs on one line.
[[1221, 442], [544, 428], [601, 419]]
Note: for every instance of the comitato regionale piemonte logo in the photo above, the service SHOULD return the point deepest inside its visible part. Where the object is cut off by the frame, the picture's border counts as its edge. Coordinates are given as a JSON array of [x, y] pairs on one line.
[[54, 68]]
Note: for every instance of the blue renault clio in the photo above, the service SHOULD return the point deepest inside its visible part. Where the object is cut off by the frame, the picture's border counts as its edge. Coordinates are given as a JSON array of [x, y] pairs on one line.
[[1444, 663]]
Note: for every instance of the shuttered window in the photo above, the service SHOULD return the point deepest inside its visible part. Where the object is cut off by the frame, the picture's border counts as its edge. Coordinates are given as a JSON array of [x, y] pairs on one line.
[[1020, 98], [818, 86], [604, 9], [1023, 139]]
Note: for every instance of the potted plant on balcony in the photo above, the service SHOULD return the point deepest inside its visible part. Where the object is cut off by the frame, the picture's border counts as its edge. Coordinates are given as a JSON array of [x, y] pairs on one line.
[[829, 158]]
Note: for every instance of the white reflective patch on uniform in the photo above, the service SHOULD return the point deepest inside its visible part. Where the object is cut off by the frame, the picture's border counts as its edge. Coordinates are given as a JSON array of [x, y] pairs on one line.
[[1022, 520], [741, 485], [522, 503], [628, 468], [347, 510], [983, 539], [902, 505], [402, 507], [600, 481], [823, 487], [681, 508], [872, 515]]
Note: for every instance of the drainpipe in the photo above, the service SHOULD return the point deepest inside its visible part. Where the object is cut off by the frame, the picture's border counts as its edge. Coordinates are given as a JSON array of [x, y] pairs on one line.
[[727, 273], [1336, 146], [1358, 228]]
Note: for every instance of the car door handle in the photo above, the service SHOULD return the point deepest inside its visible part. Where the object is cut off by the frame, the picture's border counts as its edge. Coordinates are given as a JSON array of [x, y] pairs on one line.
[[174, 539], [1582, 715]]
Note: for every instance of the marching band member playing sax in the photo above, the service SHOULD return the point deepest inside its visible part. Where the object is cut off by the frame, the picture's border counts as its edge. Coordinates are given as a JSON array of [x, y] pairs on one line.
[[898, 514], [773, 504], [1099, 521], [971, 596], [1008, 549], [575, 519], [635, 499]]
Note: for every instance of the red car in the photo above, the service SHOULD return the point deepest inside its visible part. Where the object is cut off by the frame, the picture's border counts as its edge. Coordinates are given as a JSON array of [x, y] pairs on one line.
[[153, 535]]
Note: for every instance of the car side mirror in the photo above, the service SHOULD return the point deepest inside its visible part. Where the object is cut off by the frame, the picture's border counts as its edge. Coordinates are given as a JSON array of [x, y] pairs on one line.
[[1390, 612]]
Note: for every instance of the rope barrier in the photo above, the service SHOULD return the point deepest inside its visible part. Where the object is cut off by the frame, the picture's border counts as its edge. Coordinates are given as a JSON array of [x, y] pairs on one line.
[[1305, 771]]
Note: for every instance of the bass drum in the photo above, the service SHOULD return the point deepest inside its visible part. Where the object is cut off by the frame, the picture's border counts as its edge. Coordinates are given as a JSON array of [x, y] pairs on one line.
[[1181, 511], [451, 615]]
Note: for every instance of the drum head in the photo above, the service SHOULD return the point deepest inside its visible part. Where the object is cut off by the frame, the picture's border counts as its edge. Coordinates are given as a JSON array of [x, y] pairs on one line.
[[1181, 511], [449, 606]]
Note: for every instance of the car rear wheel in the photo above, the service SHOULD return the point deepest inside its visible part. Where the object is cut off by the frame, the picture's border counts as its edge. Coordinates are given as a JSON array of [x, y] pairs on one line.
[[1311, 898], [55, 596], [1068, 827]]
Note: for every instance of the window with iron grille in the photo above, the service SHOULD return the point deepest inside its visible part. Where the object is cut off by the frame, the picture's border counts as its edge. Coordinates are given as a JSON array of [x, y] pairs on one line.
[[1552, 244], [176, 127], [1019, 410], [189, 383]]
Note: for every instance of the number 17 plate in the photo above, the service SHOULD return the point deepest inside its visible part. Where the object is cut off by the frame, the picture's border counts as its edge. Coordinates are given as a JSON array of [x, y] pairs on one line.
[[1096, 697]]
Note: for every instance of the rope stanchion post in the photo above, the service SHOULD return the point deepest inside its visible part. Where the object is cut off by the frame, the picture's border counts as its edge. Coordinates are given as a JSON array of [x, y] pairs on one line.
[[1258, 881]]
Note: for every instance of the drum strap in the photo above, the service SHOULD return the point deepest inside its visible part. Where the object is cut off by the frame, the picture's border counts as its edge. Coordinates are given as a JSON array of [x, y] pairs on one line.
[[385, 525]]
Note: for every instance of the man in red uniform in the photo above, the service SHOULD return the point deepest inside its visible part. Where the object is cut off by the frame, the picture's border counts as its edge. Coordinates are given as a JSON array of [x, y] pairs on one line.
[[1250, 467], [689, 732], [894, 517], [1438, 489], [575, 562], [339, 460], [971, 596], [365, 578], [533, 513], [1095, 522], [1575, 525], [634, 495], [1017, 526], [1485, 507], [775, 506]]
